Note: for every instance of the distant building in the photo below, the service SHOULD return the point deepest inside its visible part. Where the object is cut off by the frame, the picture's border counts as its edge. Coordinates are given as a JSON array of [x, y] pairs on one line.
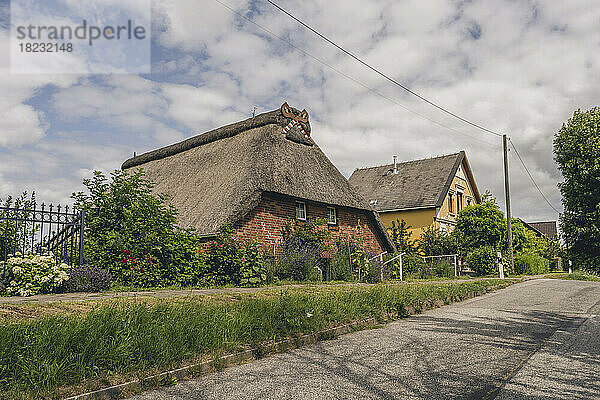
[[424, 193], [547, 229], [258, 175]]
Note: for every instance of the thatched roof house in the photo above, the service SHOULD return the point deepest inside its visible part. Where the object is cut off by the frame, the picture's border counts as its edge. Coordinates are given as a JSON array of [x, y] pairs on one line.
[[256, 175]]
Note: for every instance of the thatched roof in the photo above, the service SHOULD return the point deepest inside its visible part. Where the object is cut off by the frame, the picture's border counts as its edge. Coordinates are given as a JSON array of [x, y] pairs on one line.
[[218, 177], [418, 184]]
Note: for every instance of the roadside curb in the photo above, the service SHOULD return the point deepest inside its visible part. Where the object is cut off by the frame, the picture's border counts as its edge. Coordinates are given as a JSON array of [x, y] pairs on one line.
[[168, 378]]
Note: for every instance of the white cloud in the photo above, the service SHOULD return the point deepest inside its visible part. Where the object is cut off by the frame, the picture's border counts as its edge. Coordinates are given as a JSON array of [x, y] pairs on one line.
[[516, 67]]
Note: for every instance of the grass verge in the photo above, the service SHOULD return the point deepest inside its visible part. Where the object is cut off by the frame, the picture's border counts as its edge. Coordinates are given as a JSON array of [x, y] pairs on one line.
[[576, 276], [57, 355]]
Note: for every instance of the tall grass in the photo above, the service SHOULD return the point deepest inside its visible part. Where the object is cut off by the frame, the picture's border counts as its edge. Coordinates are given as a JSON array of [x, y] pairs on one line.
[[120, 337]]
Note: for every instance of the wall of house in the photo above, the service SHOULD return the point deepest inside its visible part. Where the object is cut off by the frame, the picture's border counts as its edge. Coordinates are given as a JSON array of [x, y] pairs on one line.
[[446, 220], [418, 219], [267, 221]]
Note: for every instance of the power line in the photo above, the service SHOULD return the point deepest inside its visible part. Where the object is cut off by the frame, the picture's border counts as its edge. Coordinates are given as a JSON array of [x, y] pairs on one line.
[[395, 82], [531, 176], [370, 89]]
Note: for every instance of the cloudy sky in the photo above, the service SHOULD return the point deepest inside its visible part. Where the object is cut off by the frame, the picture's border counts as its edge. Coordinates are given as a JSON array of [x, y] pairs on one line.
[[520, 67]]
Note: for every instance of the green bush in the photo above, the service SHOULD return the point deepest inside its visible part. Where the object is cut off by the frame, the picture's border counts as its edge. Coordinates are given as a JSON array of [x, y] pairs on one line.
[[483, 260], [232, 261], [340, 267], [441, 268], [132, 232], [33, 274], [531, 264], [413, 266], [434, 242]]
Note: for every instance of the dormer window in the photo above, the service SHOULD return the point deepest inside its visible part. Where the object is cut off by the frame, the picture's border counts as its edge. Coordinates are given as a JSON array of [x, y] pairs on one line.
[[301, 210]]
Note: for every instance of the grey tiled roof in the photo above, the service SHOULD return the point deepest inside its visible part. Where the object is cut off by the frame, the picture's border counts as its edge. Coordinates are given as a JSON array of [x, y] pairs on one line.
[[418, 183], [547, 228]]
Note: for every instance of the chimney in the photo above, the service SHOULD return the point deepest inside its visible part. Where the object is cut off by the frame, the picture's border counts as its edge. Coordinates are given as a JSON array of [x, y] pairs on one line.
[[395, 164]]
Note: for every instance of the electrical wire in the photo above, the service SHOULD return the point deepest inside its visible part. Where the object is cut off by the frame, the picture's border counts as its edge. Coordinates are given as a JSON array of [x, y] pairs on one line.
[[356, 81], [374, 91], [395, 82], [531, 176]]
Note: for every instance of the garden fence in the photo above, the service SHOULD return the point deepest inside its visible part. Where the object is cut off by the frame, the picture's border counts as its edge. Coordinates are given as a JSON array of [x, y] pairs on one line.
[[40, 229]]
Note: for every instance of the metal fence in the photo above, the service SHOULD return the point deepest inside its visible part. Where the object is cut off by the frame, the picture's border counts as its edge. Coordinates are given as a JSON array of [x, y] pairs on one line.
[[40, 229]]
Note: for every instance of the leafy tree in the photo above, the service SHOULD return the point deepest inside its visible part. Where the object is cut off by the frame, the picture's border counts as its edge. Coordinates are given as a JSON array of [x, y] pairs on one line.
[[482, 260], [132, 232], [577, 153], [480, 225], [401, 236], [434, 242]]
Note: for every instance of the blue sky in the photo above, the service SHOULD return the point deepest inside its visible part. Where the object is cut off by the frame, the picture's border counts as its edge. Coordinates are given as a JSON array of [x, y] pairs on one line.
[[520, 67]]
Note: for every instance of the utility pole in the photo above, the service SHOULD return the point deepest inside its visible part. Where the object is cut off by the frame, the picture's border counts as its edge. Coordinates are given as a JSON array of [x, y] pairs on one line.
[[507, 193]]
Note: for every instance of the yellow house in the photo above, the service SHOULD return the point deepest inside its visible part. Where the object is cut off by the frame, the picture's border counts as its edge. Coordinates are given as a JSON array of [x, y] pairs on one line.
[[424, 193]]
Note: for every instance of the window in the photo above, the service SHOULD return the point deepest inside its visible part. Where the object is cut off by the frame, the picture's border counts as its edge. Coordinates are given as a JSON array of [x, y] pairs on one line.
[[459, 202], [331, 216], [451, 203], [301, 210], [468, 201]]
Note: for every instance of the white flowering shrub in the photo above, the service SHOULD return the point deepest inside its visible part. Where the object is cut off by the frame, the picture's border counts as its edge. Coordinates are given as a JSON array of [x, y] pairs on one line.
[[34, 274]]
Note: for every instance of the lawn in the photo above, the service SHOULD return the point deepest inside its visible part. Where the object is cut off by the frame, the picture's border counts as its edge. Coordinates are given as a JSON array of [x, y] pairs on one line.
[[576, 275], [85, 347]]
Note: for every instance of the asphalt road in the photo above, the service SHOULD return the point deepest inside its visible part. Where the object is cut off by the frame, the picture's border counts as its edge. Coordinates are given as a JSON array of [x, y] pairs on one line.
[[535, 340]]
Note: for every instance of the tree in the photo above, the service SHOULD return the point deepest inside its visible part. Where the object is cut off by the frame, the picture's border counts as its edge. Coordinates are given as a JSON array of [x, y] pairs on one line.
[[132, 232], [480, 225], [577, 153], [401, 236], [434, 242]]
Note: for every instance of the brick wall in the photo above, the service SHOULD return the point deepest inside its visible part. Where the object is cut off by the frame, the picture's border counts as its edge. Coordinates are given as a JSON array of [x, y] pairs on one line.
[[267, 221]]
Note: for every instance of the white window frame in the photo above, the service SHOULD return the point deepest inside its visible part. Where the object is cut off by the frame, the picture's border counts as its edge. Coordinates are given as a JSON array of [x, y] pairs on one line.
[[329, 221], [303, 208]]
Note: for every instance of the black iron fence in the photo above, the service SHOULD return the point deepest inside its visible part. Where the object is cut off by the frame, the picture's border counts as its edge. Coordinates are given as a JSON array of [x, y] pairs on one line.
[[42, 229]]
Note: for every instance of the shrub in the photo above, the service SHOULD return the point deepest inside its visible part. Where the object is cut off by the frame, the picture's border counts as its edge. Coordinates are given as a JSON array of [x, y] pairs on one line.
[[340, 267], [373, 268], [532, 264], [483, 260], [304, 245], [401, 236], [253, 271], [187, 263], [230, 261], [434, 242], [34, 274], [442, 268], [299, 260], [132, 232], [480, 225], [87, 278]]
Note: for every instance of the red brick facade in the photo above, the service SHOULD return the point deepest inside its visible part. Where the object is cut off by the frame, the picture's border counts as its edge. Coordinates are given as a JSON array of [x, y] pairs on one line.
[[268, 219]]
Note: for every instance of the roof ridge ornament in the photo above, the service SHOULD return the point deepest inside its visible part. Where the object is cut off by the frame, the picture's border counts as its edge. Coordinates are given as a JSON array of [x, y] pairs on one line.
[[297, 119]]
